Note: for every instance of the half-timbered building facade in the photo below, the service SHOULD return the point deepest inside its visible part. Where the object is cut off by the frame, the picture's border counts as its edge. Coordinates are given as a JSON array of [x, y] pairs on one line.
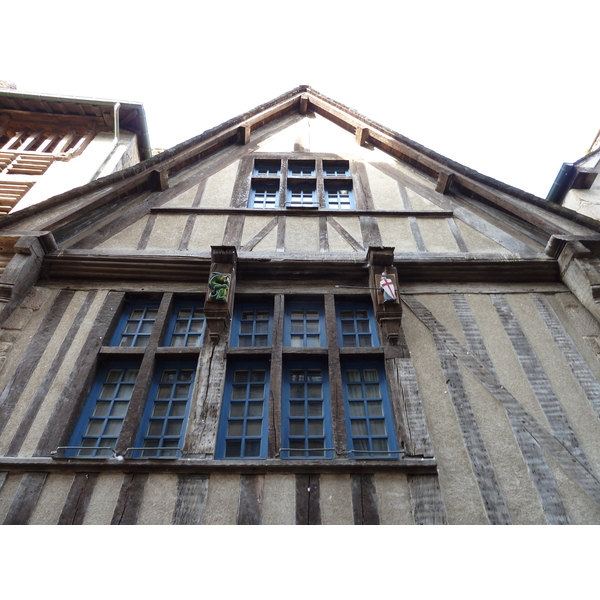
[[299, 317]]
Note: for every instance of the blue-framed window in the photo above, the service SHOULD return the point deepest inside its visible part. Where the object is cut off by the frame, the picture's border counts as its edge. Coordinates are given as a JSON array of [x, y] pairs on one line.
[[301, 195], [101, 420], [297, 168], [339, 197], [136, 324], [186, 325], [252, 325], [304, 324], [369, 423], [356, 325], [264, 195], [267, 167], [165, 417], [243, 426], [336, 168], [306, 414]]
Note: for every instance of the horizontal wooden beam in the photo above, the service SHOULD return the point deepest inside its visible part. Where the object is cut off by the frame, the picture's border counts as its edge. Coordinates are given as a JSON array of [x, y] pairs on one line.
[[190, 465]]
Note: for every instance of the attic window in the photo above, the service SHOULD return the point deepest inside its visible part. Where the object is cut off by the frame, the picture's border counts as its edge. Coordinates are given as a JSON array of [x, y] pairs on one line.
[[301, 183]]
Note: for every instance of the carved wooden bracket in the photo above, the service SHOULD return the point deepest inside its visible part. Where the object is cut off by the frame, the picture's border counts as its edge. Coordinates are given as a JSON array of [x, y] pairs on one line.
[[218, 304], [387, 312]]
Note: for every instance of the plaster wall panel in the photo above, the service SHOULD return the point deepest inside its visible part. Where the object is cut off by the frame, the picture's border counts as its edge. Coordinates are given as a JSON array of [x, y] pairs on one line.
[[167, 232], [207, 232], [20, 327], [397, 234], [477, 242], [437, 235], [279, 497], [581, 326], [160, 493], [384, 189], [8, 491], [575, 404], [302, 235], [268, 243], [62, 377], [283, 141], [37, 376], [581, 509], [336, 242], [393, 499], [509, 465], [128, 238], [336, 500], [417, 201], [459, 488], [219, 188], [506, 363], [223, 499], [104, 499], [253, 225], [186, 199], [52, 499], [326, 137]]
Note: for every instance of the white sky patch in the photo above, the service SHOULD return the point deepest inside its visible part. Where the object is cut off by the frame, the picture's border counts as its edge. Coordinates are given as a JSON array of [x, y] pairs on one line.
[[507, 89]]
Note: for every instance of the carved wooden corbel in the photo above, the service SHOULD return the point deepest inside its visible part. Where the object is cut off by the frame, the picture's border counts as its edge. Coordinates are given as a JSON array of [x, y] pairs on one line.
[[388, 311], [218, 304]]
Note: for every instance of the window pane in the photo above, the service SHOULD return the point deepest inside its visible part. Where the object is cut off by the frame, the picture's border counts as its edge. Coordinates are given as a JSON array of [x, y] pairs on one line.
[[316, 428], [254, 428], [95, 428], [359, 427], [255, 409], [378, 427]]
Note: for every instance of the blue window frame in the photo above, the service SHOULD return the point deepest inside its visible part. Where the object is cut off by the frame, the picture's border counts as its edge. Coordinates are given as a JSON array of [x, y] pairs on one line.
[[186, 325], [244, 424], [306, 414], [301, 168], [136, 324], [266, 167], [101, 420], [339, 197], [264, 195], [336, 168], [301, 195], [304, 324], [369, 424], [356, 325], [164, 421], [251, 326]]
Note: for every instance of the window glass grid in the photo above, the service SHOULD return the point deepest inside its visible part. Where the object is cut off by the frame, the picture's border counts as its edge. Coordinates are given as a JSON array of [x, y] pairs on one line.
[[336, 169], [299, 196], [187, 325], [252, 326], [102, 418], [163, 425], [136, 324], [301, 169], [244, 412], [306, 412], [264, 196], [266, 167], [356, 326], [304, 325], [368, 419], [339, 197]]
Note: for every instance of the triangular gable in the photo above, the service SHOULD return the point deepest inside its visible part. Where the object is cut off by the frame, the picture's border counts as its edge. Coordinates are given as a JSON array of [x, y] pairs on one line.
[[117, 214]]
